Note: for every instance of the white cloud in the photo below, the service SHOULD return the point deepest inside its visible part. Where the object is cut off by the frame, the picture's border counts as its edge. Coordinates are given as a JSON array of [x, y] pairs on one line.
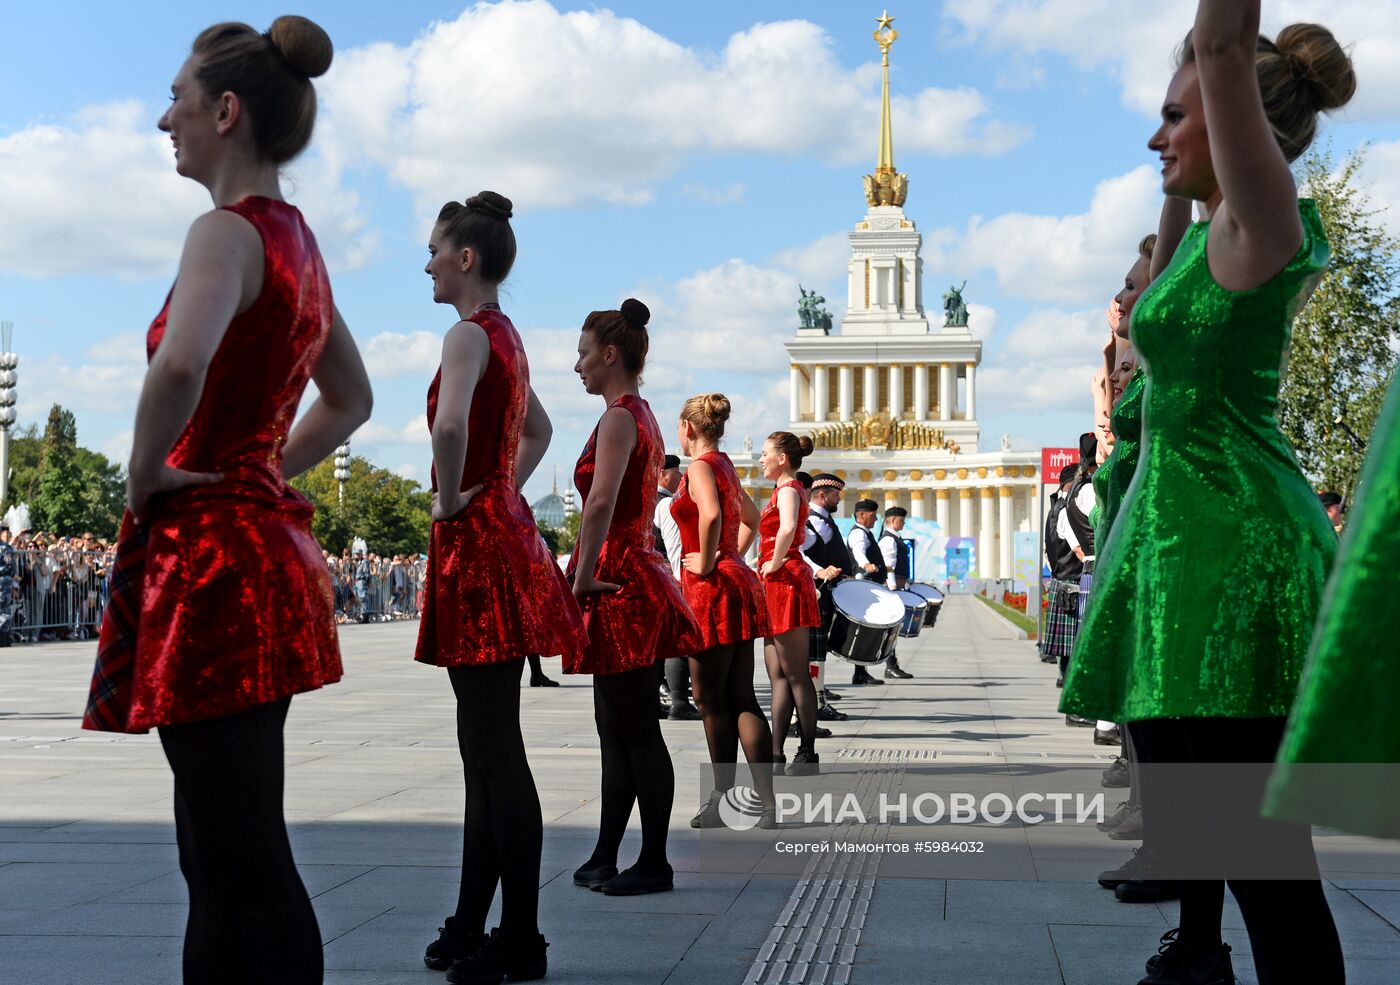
[[1045, 364], [821, 261], [1382, 174], [467, 105], [1058, 259], [710, 195], [99, 195], [379, 434], [981, 320], [391, 354], [413, 473], [1136, 42]]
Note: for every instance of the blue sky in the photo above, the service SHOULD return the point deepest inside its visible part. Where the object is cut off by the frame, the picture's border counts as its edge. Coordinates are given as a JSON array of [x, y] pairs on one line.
[[706, 158]]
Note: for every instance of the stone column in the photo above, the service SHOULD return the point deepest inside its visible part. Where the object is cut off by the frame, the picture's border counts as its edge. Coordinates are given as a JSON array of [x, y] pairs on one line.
[[947, 391], [795, 385], [916, 504], [845, 393], [965, 513], [986, 552], [896, 391], [819, 388], [1004, 531], [971, 391], [872, 389], [921, 392], [940, 507]]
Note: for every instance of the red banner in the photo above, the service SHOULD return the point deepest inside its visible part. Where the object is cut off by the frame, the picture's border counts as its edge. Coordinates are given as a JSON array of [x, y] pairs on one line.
[[1053, 460]]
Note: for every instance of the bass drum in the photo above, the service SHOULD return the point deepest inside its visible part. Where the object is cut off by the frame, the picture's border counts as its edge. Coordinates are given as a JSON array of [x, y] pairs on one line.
[[915, 606], [866, 622], [933, 597]]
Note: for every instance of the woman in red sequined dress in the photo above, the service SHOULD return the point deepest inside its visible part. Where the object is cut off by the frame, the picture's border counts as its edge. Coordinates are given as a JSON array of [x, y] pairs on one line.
[[632, 606], [717, 523], [229, 611], [791, 595], [493, 594]]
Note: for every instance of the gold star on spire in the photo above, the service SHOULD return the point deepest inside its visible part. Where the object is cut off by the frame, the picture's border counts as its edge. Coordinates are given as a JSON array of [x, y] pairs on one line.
[[884, 20]]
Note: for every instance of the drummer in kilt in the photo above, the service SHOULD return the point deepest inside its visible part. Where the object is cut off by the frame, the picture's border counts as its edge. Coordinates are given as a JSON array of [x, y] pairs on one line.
[[1062, 611], [830, 561]]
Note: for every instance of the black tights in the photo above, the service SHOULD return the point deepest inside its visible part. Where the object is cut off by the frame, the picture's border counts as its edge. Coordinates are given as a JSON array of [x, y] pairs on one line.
[[1279, 914], [250, 918], [723, 684], [636, 767], [786, 657], [502, 831]]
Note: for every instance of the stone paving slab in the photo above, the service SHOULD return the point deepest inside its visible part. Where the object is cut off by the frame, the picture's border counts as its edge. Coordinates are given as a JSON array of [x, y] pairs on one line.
[[90, 889]]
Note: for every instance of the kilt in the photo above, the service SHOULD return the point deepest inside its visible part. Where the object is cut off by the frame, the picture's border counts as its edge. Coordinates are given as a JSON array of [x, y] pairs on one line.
[[826, 608], [1061, 619]]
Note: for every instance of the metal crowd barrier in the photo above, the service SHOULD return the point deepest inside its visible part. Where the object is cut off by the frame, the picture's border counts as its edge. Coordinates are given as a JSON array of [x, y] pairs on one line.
[[384, 596]]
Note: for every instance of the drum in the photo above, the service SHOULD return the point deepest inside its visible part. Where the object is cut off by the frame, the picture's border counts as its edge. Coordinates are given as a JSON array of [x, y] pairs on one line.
[[933, 597], [914, 608], [867, 619]]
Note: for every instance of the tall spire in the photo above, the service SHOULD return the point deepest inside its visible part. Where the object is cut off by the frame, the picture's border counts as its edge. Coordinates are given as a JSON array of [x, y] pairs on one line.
[[885, 186]]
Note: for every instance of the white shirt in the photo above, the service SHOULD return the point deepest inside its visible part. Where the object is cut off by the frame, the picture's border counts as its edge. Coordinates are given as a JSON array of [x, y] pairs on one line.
[[889, 550], [819, 519], [670, 532], [1084, 502], [857, 542]]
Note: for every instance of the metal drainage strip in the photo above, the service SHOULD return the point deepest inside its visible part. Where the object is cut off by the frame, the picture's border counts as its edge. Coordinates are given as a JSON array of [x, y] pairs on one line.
[[814, 939]]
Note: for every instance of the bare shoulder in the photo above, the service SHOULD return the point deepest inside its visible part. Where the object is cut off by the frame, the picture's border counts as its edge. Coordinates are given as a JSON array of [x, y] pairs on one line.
[[223, 230]]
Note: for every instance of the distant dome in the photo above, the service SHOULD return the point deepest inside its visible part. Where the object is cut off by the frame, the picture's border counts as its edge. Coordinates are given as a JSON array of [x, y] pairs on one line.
[[549, 511]]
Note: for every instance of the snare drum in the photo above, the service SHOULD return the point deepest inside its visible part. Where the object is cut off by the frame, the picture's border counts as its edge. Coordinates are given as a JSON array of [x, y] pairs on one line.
[[914, 608], [867, 618], [933, 597]]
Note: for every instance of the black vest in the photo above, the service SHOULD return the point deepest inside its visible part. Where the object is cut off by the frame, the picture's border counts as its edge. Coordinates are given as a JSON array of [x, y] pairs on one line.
[[1064, 566], [832, 554], [1078, 520], [656, 529], [873, 555], [901, 556]]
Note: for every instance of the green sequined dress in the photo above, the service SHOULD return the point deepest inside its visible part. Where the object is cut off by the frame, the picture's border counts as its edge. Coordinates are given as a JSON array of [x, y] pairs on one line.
[[1209, 584], [1349, 702], [1116, 473]]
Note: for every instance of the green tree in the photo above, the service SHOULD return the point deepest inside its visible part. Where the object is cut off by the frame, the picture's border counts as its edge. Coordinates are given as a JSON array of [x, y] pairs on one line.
[[1344, 341], [58, 503], [391, 513]]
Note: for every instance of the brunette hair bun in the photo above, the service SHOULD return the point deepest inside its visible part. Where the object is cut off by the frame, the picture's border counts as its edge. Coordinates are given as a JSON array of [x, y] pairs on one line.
[[636, 313], [304, 45], [794, 447], [490, 204]]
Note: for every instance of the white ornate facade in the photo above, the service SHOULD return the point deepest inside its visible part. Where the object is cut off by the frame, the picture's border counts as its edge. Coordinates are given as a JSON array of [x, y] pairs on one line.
[[891, 400]]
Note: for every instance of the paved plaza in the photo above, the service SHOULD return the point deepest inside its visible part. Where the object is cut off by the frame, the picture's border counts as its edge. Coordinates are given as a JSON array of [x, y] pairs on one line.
[[90, 889]]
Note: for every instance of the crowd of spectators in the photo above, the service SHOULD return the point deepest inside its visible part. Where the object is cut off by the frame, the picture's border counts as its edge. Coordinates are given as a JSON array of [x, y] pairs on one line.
[[58, 587], [371, 588]]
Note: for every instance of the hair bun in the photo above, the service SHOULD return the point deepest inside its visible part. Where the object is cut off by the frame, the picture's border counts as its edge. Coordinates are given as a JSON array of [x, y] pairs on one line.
[[491, 204], [1315, 57], [717, 407], [805, 443], [636, 313], [302, 44]]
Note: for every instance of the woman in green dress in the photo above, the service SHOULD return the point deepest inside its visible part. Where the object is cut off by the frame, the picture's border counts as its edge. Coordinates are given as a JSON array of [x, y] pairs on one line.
[[1213, 572], [1349, 700]]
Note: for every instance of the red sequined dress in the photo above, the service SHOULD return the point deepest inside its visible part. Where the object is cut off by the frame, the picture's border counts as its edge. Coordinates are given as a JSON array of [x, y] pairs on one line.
[[648, 620], [791, 592], [232, 607], [729, 602], [493, 592]]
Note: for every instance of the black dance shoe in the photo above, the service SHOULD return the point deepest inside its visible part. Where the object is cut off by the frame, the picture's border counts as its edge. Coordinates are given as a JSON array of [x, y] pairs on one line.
[[1147, 890], [539, 680], [1134, 868], [1114, 819], [1108, 736], [1118, 775], [684, 713], [796, 733], [1130, 828], [1060, 681], [804, 763], [708, 815], [768, 819], [830, 695], [1076, 722], [519, 959], [451, 945], [593, 877], [779, 764], [634, 882], [1180, 963], [829, 714]]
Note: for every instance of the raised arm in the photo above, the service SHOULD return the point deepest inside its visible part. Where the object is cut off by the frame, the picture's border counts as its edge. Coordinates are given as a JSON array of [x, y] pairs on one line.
[[534, 440], [1262, 230], [1171, 228], [220, 275], [700, 482], [343, 403], [465, 353], [617, 436]]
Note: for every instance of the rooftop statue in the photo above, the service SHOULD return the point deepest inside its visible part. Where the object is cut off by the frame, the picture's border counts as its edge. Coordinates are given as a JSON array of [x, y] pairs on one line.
[[954, 307], [810, 310]]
